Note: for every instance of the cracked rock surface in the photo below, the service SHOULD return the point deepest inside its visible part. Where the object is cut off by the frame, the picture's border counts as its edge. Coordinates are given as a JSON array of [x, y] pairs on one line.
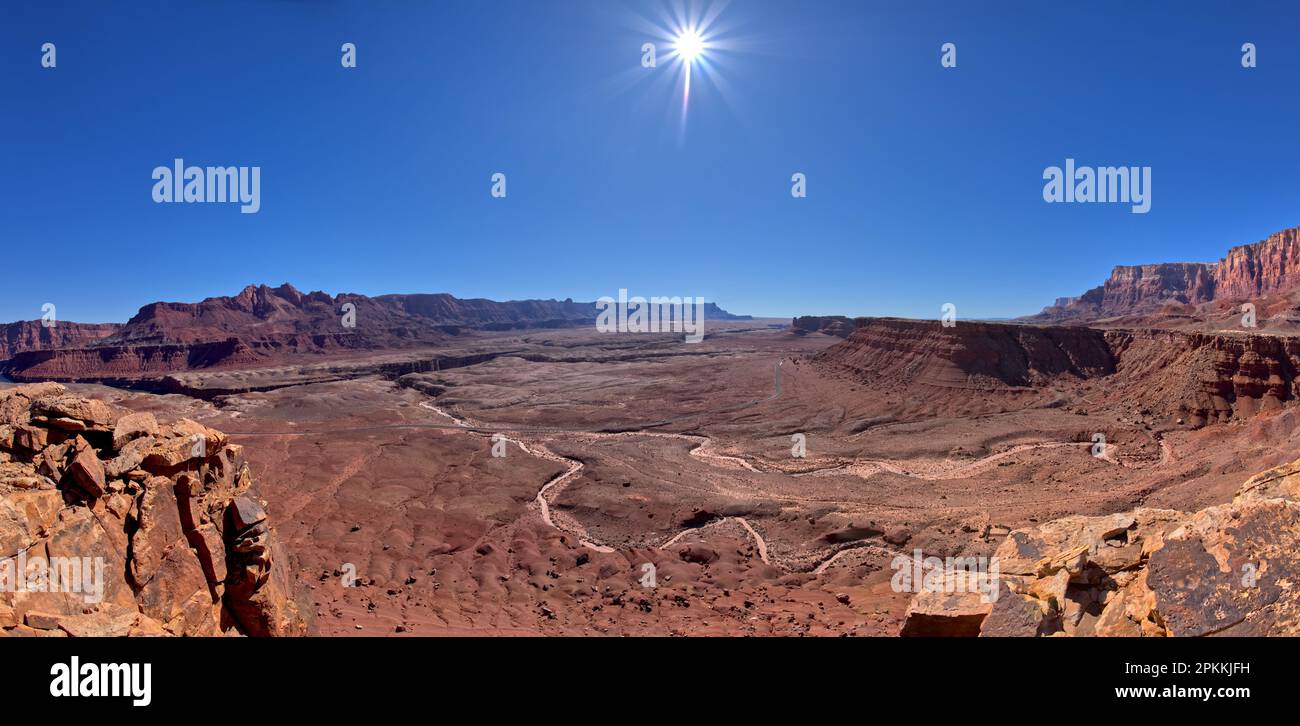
[[112, 523]]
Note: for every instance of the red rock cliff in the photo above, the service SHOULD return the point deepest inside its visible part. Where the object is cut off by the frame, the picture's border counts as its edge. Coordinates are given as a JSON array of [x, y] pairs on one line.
[[29, 335], [968, 354], [1251, 270], [1246, 272], [1202, 378]]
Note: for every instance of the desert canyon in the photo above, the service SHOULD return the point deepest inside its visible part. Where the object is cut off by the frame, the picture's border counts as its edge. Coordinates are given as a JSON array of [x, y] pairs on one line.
[[450, 466]]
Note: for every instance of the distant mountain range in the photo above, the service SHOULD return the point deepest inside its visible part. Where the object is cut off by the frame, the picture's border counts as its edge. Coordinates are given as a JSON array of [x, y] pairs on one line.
[[263, 324]]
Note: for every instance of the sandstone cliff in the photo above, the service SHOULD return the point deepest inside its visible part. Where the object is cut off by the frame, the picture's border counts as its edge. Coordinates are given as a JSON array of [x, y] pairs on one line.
[[967, 355], [1270, 266], [32, 335], [1255, 269], [1200, 378], [164, 516], [1229, 569]]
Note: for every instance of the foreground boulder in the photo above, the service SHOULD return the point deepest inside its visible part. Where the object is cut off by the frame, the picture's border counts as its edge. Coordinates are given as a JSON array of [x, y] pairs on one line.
[[114, 524], [1230, 569]]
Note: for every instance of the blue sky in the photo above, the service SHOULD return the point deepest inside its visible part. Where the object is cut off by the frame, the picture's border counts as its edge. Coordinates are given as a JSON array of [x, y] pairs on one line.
[[924, 183]]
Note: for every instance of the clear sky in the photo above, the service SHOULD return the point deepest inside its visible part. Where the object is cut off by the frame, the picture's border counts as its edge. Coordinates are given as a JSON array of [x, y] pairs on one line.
[[924, 183]]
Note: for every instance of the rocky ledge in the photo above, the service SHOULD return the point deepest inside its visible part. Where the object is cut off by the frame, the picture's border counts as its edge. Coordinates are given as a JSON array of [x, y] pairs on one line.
[[114, 524], [1230, 569]]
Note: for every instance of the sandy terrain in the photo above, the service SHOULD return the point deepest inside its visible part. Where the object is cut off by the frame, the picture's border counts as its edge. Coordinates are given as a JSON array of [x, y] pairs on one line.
[[627, 452]]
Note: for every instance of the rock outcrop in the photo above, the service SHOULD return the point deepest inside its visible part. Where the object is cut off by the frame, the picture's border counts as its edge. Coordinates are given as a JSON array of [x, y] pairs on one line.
[[1230, 569], [1247, 272], [114, 524]]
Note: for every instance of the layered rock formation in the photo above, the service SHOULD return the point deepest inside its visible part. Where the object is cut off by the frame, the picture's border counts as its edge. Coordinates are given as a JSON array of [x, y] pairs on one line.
[[967, 354], [1204, 378], [1247, 272], [288, 318], [1200, 378], [263, 326], [1229, 569], [33, 335], [1256, 269], [160, 522]]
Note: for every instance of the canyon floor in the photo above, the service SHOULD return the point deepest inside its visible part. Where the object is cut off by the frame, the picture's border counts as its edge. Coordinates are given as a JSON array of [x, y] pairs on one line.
[[632, 455]]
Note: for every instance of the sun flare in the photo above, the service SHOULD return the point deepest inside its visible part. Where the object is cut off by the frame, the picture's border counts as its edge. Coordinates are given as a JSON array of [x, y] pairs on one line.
[[689, 45], [694, 45]]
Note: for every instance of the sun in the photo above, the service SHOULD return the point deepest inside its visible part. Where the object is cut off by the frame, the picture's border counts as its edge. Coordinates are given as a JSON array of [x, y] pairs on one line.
[[695, 43], [689, 45]]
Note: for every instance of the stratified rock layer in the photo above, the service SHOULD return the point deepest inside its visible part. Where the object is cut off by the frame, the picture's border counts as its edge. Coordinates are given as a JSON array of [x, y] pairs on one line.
[[164, 517], [1246, 272], [29, 335], [1201, 378], [968, 354]]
